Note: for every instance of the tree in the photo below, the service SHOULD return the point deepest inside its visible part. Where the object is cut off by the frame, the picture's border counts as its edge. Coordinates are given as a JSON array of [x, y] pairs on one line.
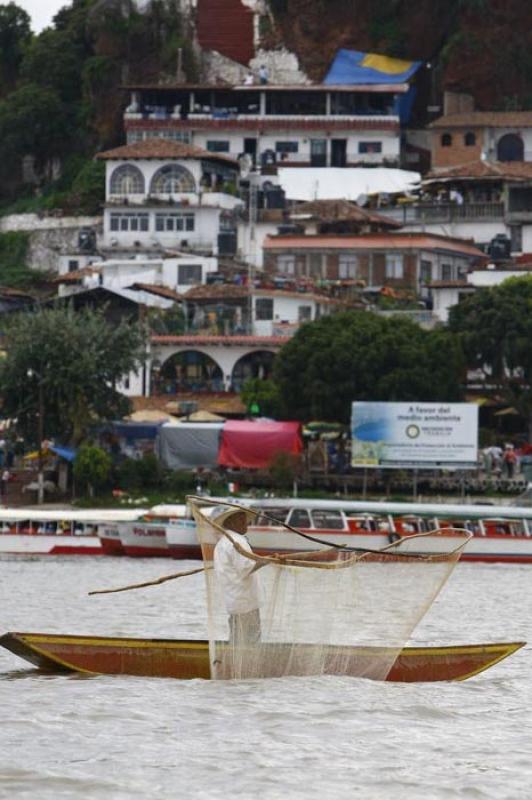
[[262, 394], [360, 356], [92, 467], [495, 327], [32, 122], [15, 34], [66, 365]]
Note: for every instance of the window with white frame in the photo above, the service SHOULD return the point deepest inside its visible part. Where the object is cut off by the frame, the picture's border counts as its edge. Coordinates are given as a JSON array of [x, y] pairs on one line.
[[394, 265], [446, 272], [304, 313], [189, 274], [129, 222], [172, 179], [134, 136], [286, 264], [264, 308], [347, 266], [171, 222], [127, 179]]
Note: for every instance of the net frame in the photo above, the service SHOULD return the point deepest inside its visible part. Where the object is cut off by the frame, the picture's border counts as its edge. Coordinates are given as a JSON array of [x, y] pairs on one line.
[[286, 644]]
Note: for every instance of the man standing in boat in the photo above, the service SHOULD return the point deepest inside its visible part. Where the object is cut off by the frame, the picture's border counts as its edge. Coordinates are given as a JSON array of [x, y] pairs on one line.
[[236, 574]]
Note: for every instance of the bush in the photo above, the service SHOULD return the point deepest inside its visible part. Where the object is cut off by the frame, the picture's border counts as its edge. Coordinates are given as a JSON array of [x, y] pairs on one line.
[[92, 468], [284, 469], [142, 473]]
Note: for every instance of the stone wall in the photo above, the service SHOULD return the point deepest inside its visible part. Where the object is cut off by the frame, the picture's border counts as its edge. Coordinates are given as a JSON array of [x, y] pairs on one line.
[[50, 237]]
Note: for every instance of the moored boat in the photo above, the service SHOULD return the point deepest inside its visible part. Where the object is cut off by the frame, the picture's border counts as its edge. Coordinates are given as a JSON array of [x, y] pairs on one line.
[[37, 532], [500, 533], [189, 659], [147, 534]]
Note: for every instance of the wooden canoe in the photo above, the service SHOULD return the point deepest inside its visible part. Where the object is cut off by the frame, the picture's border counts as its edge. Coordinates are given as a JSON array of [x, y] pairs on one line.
[[189, 659]]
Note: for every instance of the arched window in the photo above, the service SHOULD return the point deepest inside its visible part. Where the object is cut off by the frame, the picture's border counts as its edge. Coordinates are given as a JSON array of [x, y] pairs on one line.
[[446, 140], [127, 179], [172, 179], [510, 148], [470, 139]]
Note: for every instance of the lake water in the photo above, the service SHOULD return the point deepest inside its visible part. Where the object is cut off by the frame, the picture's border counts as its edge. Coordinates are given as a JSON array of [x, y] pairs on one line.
[[120, 738]]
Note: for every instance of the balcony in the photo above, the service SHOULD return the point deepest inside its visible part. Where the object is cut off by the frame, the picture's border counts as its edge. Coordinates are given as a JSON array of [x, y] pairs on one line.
[[428, 213]]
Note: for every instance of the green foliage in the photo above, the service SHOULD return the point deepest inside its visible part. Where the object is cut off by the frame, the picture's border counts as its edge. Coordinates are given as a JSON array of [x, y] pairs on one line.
[[283, 470], [15, 33], [92, 467], [495, 327], [53, 61], [143, 473], [385, 28], [170, 322], [88, 189], [70, 363], [264, 394], [14, 272], [360, 356], [32, 122]]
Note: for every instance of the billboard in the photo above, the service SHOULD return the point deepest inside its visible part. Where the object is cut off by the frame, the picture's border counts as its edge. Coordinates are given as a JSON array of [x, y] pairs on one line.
[[414, 435]]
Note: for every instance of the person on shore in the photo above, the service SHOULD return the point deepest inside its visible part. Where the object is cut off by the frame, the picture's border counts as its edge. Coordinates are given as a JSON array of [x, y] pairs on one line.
[[4, 481], [263, 74], [236, 574], [509, 459]]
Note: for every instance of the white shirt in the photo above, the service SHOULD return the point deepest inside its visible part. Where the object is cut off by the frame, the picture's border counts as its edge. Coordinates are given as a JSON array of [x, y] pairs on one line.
[[234, 571]]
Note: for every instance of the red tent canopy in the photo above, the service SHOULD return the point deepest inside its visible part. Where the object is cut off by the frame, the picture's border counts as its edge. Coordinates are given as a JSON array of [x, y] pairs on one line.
[[253, 445]]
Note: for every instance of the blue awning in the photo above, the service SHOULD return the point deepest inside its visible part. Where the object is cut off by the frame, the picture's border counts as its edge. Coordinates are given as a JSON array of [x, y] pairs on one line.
[[68, 453], [352, 67]]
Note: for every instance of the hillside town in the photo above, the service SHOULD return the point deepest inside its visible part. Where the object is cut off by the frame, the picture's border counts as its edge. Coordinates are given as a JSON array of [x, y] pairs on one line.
[[244, 205]]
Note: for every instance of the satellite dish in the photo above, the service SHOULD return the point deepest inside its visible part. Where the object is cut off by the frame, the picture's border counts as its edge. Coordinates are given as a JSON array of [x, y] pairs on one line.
[[361, 200], [246, 163]]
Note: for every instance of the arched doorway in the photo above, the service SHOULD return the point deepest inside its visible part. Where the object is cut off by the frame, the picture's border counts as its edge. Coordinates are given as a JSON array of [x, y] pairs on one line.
[[190, 371], [255, 365], [510, 148]]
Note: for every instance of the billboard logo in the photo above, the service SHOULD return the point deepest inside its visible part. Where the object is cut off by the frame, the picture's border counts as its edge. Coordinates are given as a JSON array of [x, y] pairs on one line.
[[412, 431]]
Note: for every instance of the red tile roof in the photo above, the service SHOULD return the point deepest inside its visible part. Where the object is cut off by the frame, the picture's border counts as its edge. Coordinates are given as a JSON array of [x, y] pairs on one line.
[[223, 291], [378, 241], [160, 291], [341, 211], [451, 285], [485, 119], [284, 124], [161, 149], [77, 275], [226, 341], [490, 170]]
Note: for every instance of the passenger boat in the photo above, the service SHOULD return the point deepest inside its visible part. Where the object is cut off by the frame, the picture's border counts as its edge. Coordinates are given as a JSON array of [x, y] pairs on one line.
[[189, 659], [500, 533], [38, 532], [147, 534]]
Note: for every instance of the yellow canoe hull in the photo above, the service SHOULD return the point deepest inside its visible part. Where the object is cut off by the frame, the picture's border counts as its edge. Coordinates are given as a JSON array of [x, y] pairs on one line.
[[188, 659]]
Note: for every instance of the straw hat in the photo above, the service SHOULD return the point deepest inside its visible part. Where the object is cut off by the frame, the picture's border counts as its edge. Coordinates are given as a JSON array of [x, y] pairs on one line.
[[222, 514]]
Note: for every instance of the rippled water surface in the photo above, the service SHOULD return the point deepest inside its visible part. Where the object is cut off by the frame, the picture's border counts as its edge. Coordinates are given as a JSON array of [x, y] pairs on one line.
[[119, 737]]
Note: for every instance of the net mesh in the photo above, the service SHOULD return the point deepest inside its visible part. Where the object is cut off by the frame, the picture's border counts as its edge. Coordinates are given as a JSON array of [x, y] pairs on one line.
[[329, 611]]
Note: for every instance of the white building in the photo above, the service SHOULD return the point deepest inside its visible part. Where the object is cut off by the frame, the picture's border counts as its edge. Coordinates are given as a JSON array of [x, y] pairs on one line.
[[447, 294], [314, 125], [178, 273], [168, 196]]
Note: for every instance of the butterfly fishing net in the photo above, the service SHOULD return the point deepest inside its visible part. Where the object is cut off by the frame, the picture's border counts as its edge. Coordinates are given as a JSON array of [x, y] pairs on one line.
[[329, 611]]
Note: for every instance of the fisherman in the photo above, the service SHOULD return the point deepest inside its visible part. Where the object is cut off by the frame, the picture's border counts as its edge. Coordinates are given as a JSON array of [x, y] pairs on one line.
[[237, 577]]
